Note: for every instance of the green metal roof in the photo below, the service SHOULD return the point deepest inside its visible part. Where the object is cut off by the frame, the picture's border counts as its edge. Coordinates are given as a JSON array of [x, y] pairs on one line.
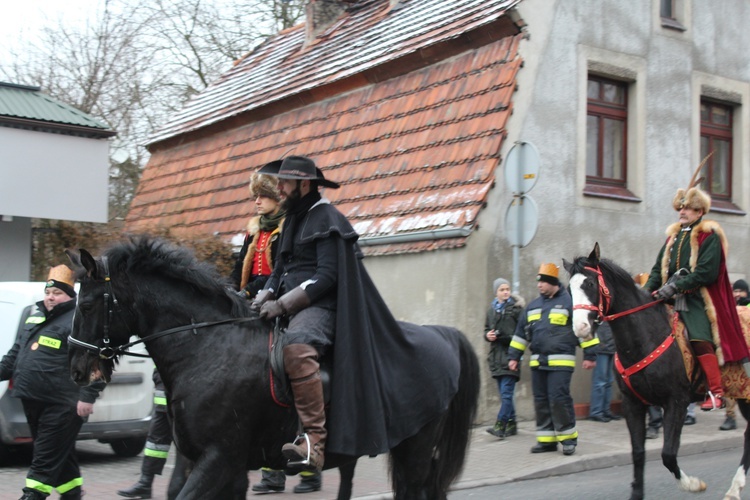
[[21, 104]]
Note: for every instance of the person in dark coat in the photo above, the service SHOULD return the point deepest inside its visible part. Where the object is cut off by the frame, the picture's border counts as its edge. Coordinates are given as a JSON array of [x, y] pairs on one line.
[[499, 325], [546, 329], [321, 287], [603, 376], [54, 405]]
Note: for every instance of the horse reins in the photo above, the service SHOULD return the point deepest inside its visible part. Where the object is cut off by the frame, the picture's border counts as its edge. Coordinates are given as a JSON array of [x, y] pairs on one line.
[[109, 352], [602, 309]]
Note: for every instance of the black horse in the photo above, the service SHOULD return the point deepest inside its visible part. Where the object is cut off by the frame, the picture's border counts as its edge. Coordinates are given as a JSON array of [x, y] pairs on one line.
[[213, 356], [654, 366]]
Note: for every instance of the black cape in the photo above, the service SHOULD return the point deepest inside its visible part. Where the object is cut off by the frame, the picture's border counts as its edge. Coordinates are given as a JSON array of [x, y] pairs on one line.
[[390, 378]]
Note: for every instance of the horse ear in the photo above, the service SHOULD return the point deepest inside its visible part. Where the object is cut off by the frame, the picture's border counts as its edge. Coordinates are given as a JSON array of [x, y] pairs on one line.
[[594, 255], [568, 266], [75, 260], [88, 262]]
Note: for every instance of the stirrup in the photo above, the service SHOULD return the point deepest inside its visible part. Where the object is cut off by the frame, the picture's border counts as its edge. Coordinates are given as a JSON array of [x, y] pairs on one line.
[[306, 461], [714, 399]]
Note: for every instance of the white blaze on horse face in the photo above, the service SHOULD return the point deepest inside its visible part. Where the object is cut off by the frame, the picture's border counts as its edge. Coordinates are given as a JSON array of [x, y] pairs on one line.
[[581, 323]]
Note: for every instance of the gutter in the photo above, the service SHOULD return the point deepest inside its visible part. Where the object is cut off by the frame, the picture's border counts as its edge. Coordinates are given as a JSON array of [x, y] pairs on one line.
[[435, 234]]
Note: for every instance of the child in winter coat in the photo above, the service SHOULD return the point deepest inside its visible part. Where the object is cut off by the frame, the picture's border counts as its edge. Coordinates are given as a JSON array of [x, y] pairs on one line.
[[502, 317]]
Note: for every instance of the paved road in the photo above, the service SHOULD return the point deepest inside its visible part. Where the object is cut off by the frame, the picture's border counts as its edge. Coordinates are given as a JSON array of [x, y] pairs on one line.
[[612, 483]]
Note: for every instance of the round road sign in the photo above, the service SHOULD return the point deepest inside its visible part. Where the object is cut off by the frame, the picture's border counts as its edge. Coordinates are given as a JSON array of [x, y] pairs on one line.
[[521, 221], [522, 167]]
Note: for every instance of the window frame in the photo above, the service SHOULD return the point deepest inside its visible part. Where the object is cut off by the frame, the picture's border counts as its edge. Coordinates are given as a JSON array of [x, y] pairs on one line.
[[714, 131], [598, 185]]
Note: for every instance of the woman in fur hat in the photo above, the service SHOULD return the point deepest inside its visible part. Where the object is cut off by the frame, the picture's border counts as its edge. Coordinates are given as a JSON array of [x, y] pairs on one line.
[[708, 310]]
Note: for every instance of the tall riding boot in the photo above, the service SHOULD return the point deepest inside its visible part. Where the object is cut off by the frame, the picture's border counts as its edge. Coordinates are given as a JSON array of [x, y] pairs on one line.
[[710, 365], [141, 489], [307, 451]]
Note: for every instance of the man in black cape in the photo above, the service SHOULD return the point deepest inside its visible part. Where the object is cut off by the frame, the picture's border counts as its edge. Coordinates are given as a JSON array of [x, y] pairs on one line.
[[389, 378]]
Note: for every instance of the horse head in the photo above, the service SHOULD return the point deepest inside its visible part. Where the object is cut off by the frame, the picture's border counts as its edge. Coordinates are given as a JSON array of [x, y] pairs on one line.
[[97, 325], [589, 293]]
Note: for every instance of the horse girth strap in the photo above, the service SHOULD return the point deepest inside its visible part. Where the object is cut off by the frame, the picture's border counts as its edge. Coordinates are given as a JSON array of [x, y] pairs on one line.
[[626, 373]]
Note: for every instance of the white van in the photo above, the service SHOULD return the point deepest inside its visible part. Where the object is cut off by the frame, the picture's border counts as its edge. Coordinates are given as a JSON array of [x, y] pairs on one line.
[[122, 413]]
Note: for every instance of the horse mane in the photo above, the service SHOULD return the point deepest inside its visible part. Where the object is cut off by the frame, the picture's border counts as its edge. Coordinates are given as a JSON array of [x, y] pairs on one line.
[[143, 254]]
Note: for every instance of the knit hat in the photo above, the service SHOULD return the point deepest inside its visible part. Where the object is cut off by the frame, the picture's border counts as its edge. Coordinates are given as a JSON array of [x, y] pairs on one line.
[[496, 284], [641, 278], [264, 185], [61, 277], [693, 197], [741, 285], [549, 273]]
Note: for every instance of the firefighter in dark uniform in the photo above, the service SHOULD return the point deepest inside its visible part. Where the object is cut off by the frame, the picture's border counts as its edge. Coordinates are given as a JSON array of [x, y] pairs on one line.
[[158, 442], [54, 405], [546, 329]]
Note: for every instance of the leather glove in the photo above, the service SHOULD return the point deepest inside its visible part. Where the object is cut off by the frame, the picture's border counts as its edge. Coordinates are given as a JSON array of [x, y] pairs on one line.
[[261, 298], [290, 303], [271, 309], [666, 292]]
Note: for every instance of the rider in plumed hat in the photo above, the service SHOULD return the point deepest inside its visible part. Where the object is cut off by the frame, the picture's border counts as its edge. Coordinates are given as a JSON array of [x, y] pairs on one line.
[[702, 290]]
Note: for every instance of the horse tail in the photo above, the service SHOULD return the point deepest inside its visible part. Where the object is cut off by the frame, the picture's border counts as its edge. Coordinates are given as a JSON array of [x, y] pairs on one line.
[[452, 446]]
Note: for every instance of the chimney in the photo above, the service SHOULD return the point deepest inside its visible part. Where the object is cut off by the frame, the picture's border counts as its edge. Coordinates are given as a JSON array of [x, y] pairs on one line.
[[321, 14]]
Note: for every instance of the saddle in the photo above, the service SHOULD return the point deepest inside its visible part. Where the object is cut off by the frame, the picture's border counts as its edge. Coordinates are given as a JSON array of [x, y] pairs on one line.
[[281, 391], [733, 378]]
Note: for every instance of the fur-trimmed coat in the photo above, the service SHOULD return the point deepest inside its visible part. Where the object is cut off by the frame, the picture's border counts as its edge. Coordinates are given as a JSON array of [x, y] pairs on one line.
[[711, 314], [504, 323], [242, 273]]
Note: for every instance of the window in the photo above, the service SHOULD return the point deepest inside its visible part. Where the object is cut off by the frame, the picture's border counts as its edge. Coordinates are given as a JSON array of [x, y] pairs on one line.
[[606, 138], [716, 137], [672, 14], [666, 9]]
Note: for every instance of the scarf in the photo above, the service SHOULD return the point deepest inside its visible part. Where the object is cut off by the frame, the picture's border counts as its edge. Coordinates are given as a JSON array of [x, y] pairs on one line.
[[270, 222]]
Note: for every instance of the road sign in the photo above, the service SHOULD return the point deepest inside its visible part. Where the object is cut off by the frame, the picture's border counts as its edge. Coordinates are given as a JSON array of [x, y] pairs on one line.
[[522, 167], [521, 221]]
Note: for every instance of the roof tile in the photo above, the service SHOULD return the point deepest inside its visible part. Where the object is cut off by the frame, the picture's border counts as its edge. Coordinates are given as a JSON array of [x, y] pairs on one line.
[[414, 153]]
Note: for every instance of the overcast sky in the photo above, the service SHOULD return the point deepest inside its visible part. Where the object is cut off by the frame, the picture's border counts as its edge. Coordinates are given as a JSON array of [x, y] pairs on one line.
[[22, 19]]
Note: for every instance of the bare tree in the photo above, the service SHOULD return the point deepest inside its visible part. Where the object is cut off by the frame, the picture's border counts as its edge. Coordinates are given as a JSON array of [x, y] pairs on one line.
[[136, 61]]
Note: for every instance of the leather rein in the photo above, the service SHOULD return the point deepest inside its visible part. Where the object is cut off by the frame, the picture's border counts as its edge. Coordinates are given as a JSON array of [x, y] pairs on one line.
[[602, 309], [109, 352]]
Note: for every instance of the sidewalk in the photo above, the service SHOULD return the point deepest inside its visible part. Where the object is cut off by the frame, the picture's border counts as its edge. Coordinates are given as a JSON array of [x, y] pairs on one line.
[[491, 461]]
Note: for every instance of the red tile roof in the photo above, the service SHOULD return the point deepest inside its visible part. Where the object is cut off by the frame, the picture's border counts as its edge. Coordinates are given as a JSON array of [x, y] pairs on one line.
[[415, 153]]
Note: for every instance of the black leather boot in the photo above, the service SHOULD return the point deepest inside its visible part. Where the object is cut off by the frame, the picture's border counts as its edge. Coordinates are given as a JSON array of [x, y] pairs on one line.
[[141, 489], [310, 482], [29, 494], [74, 494]]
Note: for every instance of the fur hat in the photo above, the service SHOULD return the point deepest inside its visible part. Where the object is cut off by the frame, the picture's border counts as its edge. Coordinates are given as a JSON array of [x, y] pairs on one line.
[[61, 277], [693, 197], [264, 185], [549, 273]]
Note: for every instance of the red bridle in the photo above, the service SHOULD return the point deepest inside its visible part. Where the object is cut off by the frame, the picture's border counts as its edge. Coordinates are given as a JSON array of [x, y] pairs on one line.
[[605, 298]]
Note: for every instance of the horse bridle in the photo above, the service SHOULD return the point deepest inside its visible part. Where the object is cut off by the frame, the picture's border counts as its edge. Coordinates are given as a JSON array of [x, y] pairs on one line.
[[109, 352], [605, 299]]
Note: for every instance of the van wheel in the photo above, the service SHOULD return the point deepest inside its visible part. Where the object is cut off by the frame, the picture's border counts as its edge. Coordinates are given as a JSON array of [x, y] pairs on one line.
[[128, 447]]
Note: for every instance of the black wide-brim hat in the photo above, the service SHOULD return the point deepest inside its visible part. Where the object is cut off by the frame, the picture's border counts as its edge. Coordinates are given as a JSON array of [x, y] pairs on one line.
[[297, 167]]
